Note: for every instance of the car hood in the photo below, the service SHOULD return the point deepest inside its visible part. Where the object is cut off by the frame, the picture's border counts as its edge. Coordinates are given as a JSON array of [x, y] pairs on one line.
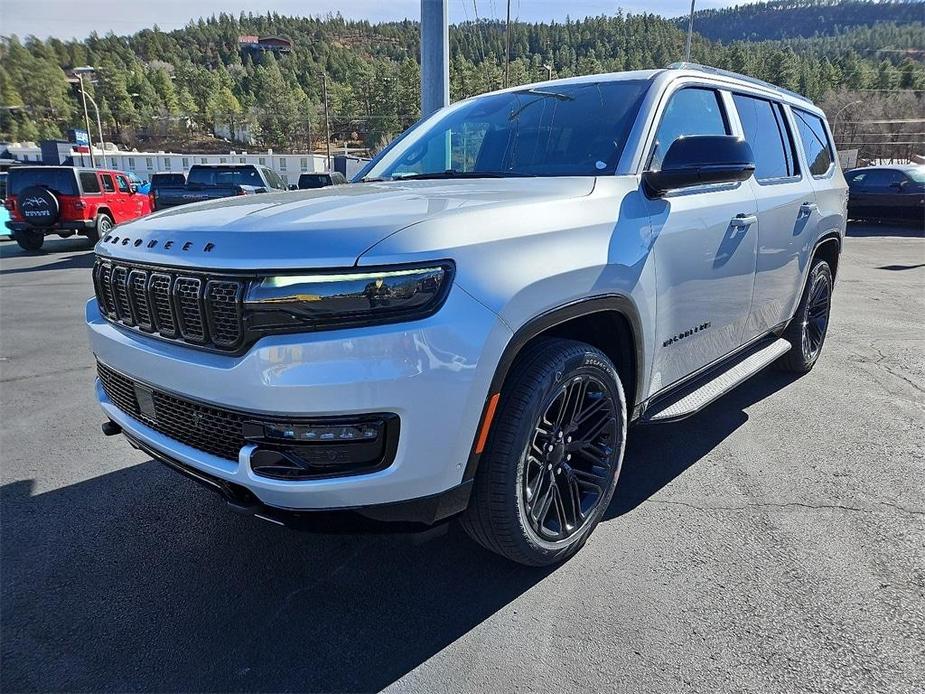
[[330, 227]]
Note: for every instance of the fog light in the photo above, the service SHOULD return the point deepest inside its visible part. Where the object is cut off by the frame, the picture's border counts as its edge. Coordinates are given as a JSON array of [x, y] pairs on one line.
[[338, 446]]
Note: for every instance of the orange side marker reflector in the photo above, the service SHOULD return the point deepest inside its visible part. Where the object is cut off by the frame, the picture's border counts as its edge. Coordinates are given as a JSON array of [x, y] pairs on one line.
[[486, 423]]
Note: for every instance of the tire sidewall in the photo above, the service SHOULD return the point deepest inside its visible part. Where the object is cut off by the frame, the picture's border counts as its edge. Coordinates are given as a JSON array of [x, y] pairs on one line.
[[819, 269], [593, 362]]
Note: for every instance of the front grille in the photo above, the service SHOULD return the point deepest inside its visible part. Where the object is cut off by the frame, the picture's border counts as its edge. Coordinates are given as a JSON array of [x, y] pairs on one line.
[[196, 308], [206, 428]]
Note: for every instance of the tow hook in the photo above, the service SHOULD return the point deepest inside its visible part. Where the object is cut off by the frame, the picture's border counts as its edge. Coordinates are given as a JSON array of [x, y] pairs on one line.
[[110, 428]]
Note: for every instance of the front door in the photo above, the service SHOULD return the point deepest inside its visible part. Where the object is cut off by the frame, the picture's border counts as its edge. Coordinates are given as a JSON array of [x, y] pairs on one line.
[[704, 249]]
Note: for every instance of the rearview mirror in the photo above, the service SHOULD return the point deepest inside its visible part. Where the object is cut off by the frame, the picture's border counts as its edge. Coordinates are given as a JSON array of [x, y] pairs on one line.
[[699, 160]]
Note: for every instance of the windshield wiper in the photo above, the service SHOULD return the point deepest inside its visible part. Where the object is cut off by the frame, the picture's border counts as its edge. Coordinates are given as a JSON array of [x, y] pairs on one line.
[[453, 173]]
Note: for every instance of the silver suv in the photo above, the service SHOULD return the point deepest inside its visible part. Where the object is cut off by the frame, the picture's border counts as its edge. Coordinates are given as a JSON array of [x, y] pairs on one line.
[[469, 330]]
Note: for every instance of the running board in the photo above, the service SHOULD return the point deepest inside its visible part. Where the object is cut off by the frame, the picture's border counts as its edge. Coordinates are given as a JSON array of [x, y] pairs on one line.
[[693, 398]]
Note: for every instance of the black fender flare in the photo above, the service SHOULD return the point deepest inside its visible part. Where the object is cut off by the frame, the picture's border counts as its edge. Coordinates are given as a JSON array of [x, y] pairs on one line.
[[608, 303]]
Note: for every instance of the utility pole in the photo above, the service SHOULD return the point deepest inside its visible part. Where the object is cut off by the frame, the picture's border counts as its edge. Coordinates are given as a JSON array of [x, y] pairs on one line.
[[435, 56], [548, 69], [507, 47], [690, 33], [83, 94], [327, 117]]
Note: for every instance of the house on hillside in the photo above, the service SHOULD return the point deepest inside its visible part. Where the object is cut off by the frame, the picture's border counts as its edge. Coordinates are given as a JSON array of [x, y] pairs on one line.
[[257, 44]]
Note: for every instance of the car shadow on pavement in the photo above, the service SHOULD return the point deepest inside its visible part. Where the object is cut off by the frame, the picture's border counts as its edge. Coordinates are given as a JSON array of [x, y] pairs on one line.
[[10, 249], [140, 580], [902, 229], [81, 260], [658, 453]]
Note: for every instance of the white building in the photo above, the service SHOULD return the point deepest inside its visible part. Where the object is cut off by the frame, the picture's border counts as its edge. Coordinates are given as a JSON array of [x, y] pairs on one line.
[[143, 164]]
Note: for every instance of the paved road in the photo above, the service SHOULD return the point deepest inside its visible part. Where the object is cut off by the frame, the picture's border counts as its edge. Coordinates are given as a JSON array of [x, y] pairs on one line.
[[775, 542]]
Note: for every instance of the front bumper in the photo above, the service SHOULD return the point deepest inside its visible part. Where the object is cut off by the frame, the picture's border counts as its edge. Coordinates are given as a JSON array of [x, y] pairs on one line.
[[433, 373]]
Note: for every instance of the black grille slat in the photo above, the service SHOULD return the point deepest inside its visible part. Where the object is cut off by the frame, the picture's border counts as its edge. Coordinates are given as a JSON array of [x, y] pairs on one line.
[[188, 300], [159, 291], [197, 308], [138, 294], [223, 303]]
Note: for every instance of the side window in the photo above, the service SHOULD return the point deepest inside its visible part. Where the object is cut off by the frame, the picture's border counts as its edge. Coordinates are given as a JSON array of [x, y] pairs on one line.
[[815, 142], [767, 133], [89, 183], [108, 185], [690, 111], [122, 183]]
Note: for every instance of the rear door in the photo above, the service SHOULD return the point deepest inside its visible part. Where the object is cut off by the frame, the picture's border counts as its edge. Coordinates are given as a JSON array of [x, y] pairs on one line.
[[704, 247], [786, 211], [818, 158]]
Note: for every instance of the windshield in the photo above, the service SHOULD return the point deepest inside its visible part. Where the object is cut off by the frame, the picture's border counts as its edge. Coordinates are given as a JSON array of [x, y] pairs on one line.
[[60, 181], [225, 176], [550, 130], [917, 174]]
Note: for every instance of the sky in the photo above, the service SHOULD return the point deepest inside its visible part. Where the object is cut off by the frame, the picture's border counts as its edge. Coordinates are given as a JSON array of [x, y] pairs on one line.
[[77, 18]]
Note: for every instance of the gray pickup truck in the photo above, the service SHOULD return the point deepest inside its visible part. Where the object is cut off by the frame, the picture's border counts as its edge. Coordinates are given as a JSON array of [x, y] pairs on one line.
[[214, 181]]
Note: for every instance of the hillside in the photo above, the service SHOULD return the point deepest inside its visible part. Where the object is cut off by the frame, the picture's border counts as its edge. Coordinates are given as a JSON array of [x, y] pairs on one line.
[[167, 86], [782, 19]]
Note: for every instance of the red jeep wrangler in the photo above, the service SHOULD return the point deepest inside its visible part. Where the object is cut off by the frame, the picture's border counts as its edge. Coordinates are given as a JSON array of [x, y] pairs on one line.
[[65, 200]]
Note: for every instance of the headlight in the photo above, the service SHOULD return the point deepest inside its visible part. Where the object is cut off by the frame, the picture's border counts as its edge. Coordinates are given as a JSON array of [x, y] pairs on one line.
[[323, 300]]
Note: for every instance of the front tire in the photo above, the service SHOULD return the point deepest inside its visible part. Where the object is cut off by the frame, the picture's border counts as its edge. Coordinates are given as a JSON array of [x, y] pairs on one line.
[[553, 457], [806, 332], [30, 240]]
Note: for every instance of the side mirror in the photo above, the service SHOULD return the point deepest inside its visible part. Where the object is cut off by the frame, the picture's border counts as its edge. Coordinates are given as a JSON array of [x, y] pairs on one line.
[[700, 160], [293, 186], [132, 189], [261, 189]]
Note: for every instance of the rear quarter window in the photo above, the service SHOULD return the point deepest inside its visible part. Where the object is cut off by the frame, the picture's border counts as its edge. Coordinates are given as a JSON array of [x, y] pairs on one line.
[[819, 152], [89, 183]]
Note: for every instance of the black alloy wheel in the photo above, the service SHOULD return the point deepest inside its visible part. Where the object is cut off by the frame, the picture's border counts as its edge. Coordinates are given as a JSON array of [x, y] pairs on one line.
[[570, 459]]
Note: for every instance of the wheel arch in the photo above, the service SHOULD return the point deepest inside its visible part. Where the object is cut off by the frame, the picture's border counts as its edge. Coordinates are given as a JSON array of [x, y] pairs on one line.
[[829, 249], [104, 209], [593, 320]]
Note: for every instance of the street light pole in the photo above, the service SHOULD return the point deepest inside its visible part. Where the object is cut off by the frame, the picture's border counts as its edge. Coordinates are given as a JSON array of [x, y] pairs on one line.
[[327, 118], [83, 94], [99, 123], [690, 34]]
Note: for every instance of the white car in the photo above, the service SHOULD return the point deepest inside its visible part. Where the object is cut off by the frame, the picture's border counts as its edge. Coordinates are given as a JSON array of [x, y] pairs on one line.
[[469, 329]]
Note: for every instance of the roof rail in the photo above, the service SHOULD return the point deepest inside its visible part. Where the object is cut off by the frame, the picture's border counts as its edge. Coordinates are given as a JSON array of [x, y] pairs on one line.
[[735, 75]]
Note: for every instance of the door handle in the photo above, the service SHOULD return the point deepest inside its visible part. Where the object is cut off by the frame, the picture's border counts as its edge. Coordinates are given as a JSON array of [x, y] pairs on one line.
[[808, 207], [743, 221]]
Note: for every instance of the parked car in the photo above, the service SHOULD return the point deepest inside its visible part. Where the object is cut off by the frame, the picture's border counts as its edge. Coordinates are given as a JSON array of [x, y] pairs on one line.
[[141, 186], [4, 213], [165, 179], [213, 181], [65, 200], [469, 332], [889, 193], [309, 181]]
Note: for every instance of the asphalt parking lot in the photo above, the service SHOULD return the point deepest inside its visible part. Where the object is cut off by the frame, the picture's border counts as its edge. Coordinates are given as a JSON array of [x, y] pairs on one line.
[[773, 543]]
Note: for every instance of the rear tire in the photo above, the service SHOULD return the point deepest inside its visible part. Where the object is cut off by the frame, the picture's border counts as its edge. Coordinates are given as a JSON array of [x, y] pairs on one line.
[[102, 227], [554, 455], [30, 240], [807, 330]]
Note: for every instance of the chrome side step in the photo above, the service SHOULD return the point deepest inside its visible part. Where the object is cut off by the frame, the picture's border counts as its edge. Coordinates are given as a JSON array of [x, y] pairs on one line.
[[695, 397]]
